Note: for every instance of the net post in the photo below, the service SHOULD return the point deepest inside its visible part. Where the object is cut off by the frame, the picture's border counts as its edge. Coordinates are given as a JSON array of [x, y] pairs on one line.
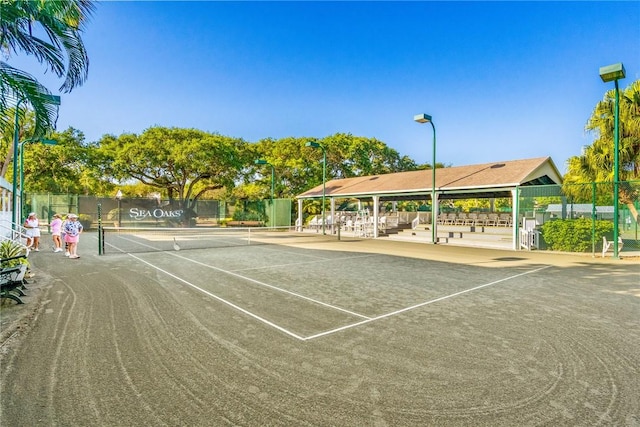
[[100, 236]]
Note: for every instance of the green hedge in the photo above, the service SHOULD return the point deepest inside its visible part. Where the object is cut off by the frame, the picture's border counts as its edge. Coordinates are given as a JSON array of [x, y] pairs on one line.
[[574, 235]]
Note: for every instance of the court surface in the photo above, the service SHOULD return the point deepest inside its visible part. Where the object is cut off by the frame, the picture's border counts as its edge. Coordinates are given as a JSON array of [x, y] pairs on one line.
[[329, 333]]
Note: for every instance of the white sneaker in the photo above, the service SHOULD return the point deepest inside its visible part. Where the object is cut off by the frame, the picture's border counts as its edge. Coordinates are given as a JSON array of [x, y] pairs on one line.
[[67, 254], [37, 250], [57, 250]]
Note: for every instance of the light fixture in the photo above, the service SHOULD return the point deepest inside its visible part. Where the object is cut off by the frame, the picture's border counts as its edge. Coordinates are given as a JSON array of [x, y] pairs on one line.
[[425, 118], [313, 144], [612, 72], [608, 74]]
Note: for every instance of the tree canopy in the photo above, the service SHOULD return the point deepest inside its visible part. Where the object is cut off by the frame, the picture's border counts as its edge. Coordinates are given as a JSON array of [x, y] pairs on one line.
[[63, 168], [298, 167], [182, 163]]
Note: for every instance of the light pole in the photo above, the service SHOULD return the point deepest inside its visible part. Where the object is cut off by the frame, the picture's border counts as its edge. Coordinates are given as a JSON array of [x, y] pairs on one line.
[[54, 100], [425, 118], [614, 73], [324, 176], [16, 147], [264, 162], [119, 199], [21, 154]]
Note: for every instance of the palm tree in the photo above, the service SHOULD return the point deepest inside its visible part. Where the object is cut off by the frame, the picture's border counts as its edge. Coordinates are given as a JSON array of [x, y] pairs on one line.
[[63, 53], [596, 162]]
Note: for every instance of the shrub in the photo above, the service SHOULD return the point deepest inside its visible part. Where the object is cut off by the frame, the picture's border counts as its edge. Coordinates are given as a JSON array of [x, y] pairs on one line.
[[574, 235], [9, 249], [249, 211]]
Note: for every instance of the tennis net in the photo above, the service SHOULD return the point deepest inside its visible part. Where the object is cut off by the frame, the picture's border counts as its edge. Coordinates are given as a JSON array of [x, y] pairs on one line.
[[135, 240]]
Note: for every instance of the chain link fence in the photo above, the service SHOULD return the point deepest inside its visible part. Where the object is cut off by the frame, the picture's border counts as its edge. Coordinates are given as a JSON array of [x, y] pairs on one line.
[[155, 212], [568, 218], [578, 217]]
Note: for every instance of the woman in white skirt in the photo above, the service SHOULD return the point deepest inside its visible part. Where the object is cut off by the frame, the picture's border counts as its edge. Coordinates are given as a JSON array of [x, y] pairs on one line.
[[33, 231]]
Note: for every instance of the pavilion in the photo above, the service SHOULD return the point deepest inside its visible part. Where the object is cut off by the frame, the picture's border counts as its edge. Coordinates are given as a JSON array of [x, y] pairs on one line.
[[488, 180]]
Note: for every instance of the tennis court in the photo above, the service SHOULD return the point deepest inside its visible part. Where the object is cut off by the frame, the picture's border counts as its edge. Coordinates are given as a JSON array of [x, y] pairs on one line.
[[324, 332], [308, 294]]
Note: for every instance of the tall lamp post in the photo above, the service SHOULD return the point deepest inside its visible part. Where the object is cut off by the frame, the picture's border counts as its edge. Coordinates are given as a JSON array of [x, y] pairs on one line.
[[119, 199], [21, 153], [54, 100], [273, 172], [16, 143], [425, 118], [324, 177], [614, 73]]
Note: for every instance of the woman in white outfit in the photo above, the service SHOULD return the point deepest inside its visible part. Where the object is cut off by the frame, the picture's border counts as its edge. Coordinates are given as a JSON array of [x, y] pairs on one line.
[[33, 231]]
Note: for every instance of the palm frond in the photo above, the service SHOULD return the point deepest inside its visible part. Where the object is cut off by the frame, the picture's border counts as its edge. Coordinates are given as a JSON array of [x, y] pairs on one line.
[[62, 22], [17, 86]]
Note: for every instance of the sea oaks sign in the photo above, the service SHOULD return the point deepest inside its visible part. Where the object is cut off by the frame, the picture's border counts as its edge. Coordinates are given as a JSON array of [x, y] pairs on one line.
[[141, 214]]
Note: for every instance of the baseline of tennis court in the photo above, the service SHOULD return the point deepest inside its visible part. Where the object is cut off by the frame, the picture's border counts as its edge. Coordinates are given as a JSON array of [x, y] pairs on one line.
[[308, 294]]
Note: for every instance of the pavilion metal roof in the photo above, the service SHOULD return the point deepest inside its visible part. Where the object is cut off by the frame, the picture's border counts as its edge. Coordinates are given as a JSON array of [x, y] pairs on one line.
[[494, 179]]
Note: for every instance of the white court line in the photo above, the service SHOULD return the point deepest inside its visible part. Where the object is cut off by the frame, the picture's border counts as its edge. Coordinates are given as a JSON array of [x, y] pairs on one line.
[[270, 248], [257, 282], [332, 331], [248, 313], [305, 262], [419, 305], [253, 280], [132, 241]]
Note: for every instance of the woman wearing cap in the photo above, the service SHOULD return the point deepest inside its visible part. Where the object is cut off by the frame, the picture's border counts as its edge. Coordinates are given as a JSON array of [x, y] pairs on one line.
[[72, 230], [56, 231], [33, 231]]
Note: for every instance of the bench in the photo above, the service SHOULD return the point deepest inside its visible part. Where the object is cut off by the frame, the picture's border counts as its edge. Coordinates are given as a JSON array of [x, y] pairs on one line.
[[244, 224], [608, 246], [12, 282], [9, 286]]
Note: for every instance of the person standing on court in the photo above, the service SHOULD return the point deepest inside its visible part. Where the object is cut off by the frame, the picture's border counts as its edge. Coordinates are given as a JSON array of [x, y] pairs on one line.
[[33, 231], [56, 231], [72, 230]]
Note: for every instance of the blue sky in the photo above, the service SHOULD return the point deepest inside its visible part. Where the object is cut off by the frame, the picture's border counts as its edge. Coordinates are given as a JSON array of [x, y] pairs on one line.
[[502, 80]]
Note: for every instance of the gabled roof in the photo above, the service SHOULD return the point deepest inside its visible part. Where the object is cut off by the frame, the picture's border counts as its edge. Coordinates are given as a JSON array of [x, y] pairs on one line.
[[491, 178]]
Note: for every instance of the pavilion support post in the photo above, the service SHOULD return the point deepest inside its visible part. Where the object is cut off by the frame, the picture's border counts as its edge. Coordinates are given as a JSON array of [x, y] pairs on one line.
[[333, 215], [376, 207], [300, 223], [515, 197]]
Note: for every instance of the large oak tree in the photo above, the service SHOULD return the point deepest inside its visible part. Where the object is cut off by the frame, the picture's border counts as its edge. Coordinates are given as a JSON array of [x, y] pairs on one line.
[[182, 164]]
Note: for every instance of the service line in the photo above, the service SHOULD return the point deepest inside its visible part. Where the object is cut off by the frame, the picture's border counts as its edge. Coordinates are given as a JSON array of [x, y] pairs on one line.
[[275, 288], [393, 313]]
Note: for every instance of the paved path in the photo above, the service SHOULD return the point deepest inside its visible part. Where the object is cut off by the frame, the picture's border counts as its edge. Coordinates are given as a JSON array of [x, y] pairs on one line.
[[496, 338]]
